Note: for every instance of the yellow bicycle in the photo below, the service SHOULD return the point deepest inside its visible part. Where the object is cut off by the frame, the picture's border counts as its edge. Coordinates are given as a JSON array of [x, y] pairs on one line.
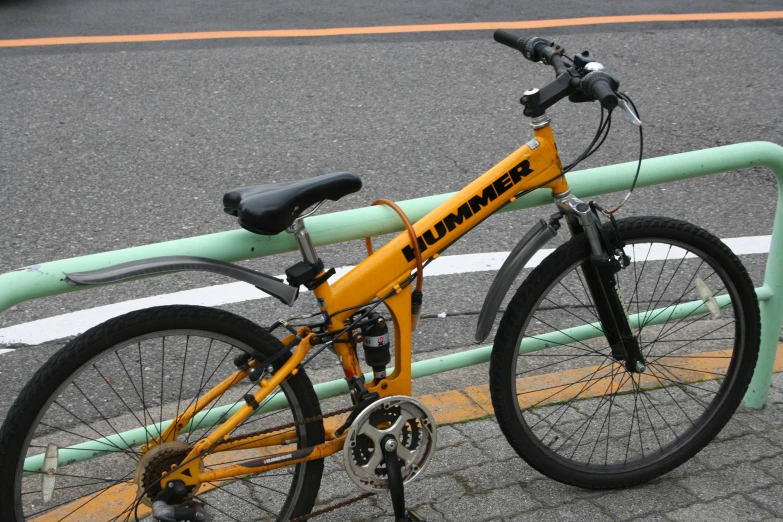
[[621, 355]]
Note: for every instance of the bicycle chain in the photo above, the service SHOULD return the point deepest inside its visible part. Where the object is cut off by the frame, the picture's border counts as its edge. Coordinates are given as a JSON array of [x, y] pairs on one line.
[[307, 421], [294, 424], [332, 508]]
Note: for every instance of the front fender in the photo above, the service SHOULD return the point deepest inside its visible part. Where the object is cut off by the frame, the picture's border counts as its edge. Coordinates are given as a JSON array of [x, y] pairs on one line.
[[512, 266], [159, 265]]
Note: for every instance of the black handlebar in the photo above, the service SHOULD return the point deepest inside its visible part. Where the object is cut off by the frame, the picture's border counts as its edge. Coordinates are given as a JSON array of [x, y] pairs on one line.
[[601, 87], [593, 83], [509, 39], [530, 47]]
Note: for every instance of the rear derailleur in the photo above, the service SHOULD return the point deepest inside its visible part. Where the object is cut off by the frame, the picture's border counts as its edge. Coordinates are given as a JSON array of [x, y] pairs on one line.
[[164, 510]]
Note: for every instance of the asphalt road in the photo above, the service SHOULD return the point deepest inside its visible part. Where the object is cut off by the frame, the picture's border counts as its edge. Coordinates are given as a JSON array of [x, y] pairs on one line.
[[43, 18], [110, 146]]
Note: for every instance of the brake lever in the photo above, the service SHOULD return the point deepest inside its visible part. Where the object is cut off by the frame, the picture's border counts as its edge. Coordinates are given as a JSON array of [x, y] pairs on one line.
[[632, 117]]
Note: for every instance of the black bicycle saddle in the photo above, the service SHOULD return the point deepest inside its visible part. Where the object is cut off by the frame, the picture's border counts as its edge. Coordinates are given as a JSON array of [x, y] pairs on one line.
[[269, 209]]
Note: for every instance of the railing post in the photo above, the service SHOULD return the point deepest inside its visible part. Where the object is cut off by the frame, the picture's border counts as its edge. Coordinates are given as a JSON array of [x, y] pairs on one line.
[[771, 309]]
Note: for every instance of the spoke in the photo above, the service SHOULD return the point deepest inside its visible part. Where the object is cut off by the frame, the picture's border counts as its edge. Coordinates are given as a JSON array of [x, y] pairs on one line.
[[129, 510], [590, 418], [586, 348], [703, 317], [569, 355], [117, 394], [555, 344], [655, 288], [673, 327], [695, 356], [563, 386], [58, 474], [679, 300], [102, 416], [539, 368], [96, 494], [669, 393], [688, 384], [216, 400], [116, 449], [583, 422], [83, 485], [636, 277], [220, 510], [652, 404], [582, 304], [144, 406], [182, 376], [634, 414], [668, 354], [666, 287], [128, 452], [225, 490], [143, 395], [201, 383], [608, 414], [688, 369], [652, 426], [567, 309], [162, 380], [586, 385]]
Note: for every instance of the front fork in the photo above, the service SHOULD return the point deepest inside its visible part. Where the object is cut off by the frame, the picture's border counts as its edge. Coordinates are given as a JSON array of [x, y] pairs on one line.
[[600, 277]]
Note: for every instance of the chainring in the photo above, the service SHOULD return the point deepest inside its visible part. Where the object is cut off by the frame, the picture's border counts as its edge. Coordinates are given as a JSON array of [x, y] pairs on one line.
[[412, 425]]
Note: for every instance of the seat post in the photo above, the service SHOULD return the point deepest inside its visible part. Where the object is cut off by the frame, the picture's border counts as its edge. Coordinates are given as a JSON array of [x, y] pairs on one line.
[[303, 240]]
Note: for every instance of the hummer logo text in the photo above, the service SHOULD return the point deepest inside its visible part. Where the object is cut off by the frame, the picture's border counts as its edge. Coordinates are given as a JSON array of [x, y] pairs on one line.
[[469, 208]]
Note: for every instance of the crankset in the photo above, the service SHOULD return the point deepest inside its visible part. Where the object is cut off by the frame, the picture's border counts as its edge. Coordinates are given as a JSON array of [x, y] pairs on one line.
[[388, 445]]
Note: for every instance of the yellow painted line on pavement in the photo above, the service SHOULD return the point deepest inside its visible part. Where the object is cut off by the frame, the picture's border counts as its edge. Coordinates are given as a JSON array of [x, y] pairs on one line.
[[392, 29], [449, 407]]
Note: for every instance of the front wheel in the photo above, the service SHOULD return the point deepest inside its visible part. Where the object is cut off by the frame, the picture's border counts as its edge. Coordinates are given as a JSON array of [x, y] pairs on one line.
[[574, 412], [77, 443]]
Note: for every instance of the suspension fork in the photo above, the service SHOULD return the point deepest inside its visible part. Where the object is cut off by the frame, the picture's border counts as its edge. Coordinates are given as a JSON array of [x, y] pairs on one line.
[[600, 277]]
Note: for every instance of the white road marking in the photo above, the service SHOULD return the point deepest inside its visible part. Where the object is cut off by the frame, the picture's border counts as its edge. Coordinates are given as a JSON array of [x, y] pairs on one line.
[[67, 325]]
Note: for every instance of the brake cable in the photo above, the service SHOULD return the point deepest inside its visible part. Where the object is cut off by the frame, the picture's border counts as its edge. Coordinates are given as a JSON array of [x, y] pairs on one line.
[[624, 97]]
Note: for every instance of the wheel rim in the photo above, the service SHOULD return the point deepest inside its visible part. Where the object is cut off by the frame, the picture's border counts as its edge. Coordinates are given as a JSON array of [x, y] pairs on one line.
[[118, 392], [585, 410]]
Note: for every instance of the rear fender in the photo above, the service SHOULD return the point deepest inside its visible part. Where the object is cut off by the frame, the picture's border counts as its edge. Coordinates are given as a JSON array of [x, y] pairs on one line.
[[159, 265]]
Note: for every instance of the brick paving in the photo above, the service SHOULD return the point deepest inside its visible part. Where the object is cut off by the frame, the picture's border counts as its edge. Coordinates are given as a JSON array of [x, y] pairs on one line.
[[476, 476]]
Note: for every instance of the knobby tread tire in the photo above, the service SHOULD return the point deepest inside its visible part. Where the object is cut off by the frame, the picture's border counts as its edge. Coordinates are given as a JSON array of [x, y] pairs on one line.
[[526, 300], [62, 365]]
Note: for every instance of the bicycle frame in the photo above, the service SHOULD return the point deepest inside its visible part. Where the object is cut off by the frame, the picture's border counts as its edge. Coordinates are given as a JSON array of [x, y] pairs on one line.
[[537, 163]]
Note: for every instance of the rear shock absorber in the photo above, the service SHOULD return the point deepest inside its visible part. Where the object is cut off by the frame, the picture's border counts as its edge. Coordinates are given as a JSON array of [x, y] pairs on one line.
[[375, 340]]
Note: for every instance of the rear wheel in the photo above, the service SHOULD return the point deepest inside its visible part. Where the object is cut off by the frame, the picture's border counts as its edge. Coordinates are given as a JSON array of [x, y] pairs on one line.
[[575, 413], [119, 383]]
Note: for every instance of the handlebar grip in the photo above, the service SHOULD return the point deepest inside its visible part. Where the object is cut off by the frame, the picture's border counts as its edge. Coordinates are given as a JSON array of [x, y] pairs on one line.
[[530, 47], [509, 39], [601, 87]]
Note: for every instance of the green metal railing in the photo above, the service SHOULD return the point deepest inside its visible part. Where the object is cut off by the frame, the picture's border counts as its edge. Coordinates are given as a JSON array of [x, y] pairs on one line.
[[47, 279]]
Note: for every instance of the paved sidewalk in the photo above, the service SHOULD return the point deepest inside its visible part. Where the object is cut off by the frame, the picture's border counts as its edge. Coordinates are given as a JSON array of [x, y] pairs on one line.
[[476, 476]]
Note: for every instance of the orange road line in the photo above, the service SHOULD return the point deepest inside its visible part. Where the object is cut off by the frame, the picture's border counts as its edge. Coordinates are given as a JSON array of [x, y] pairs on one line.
[[447, 407], [392, 29]]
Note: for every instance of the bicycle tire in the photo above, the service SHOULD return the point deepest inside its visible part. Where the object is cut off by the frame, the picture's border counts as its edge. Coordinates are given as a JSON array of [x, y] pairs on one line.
[[132, 372], [578, 416]]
